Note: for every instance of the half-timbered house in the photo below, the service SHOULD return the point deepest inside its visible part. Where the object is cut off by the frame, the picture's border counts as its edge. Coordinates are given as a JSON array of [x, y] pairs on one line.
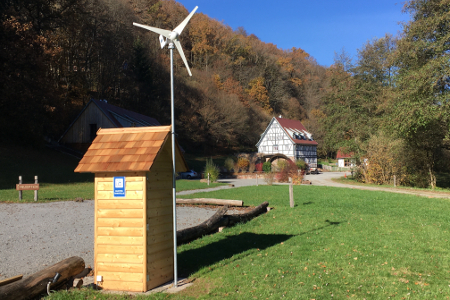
[[289, 138]]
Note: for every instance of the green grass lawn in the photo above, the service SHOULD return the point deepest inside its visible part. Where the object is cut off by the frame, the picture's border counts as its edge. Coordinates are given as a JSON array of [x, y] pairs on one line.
[[60, 192], [336, 243], [186, 185], [328, 162]]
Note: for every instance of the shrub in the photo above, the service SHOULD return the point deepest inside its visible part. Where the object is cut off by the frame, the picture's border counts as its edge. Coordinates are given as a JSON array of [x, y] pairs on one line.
[[243, 163], [290, 170], [297, 178], [281, 164], [385, 156], [212, 169], [301, 164], [229, 164], [269, 177], [267, 167]]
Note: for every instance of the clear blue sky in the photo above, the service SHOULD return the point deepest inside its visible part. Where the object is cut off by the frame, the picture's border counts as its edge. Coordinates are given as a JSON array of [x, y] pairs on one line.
[[320, 27]]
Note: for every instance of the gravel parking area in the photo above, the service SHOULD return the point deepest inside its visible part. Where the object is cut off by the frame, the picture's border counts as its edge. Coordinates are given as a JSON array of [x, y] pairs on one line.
[[34, 236]]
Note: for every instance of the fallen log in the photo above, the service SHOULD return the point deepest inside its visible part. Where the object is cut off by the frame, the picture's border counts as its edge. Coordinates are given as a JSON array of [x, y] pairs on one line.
[[219, 219], [210, 201], [36, 284], [10, 280], [212, 224], [239, 218]]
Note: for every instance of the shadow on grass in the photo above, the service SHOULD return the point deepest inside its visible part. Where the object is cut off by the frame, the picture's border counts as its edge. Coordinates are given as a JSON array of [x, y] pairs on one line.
[[191, 261]]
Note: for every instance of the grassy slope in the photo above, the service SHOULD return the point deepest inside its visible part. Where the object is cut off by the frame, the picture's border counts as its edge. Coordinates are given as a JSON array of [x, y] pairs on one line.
[[49, 165], [335, 243]]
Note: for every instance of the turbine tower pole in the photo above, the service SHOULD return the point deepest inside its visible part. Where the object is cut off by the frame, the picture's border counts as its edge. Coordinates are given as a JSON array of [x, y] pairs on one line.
[[172, 39], [174, 192]]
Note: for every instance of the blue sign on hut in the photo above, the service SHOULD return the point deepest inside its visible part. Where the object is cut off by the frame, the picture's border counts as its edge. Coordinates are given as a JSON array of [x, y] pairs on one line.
[[133, 240]]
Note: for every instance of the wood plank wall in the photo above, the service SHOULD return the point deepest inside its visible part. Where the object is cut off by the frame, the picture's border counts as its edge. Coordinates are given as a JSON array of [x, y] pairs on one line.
[[79, 132], [120, 227], [160, 219]]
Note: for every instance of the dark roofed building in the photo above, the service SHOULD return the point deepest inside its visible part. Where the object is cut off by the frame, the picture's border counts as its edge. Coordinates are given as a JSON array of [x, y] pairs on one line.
[[100, 114]]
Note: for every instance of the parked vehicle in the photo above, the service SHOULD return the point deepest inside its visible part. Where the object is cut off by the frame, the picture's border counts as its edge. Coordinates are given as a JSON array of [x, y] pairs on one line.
[[189, 174]]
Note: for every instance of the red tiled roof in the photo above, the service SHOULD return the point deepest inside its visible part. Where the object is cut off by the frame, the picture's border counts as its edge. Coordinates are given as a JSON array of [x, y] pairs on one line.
[[288, 124], [341, 154]]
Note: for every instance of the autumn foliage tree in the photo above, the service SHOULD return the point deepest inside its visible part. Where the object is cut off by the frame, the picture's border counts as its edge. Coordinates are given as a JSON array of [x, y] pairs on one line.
[[61, 53], [258, 93]]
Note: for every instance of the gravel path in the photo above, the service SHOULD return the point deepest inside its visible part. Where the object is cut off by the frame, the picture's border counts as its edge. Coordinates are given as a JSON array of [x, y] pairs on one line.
[[325, 179], [34, 236]]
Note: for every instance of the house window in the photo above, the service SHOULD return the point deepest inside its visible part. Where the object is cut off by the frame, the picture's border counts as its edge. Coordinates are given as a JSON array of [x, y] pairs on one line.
[[275, 147], [286, 147]]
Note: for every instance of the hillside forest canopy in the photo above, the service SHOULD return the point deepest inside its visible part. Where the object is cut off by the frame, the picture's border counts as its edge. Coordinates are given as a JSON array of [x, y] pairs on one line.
[[389, 106]]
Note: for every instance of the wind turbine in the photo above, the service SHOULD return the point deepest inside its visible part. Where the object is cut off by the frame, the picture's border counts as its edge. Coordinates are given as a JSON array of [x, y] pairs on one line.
[[172, 37]]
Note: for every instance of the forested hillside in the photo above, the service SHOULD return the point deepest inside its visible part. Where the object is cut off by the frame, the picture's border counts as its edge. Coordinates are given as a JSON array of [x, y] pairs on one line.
[[390, 105], [57, 54]]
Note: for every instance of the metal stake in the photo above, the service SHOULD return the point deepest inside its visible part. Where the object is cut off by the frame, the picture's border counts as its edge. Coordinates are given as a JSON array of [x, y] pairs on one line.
[[20, 192], [174, 192], [35, 191]]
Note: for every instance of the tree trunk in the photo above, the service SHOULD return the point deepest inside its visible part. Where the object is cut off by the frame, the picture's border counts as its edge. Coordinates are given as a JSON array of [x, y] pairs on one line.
[[432, 178], [239, 218], [36, 284], [213, 223], [219, 219]]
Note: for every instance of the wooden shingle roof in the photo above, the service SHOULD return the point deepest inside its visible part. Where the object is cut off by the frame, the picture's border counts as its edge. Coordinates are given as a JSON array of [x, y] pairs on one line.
[[127, 149]]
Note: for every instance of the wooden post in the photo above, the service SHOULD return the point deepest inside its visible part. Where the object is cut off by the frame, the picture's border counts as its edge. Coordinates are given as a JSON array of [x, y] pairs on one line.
[[291, 192], [208, 179], [35, 191], [20, 192], [395, 181]]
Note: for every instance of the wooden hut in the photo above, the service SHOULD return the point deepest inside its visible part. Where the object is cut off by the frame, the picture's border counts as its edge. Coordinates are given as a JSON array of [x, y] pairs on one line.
[[100, 114], [133, 248]]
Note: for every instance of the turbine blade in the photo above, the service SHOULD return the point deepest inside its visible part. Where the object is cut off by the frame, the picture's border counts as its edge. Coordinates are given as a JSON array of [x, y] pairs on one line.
[[154, 29], [183, 24], [180, 50]]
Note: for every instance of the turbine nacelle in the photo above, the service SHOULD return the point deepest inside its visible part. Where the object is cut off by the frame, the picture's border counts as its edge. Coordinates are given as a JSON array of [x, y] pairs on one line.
[[172, 36]]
